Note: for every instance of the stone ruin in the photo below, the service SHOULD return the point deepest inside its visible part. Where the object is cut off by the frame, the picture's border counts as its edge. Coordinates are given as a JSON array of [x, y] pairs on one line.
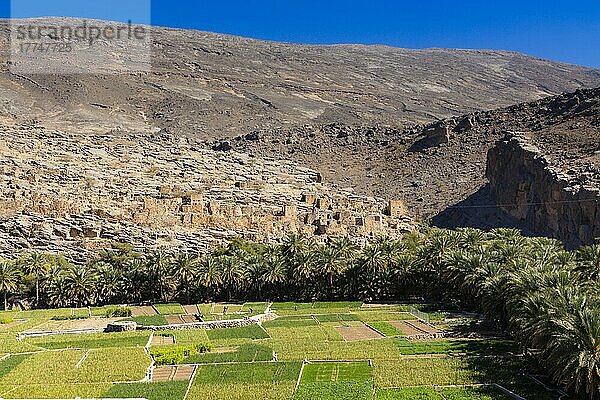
[[79, 193]]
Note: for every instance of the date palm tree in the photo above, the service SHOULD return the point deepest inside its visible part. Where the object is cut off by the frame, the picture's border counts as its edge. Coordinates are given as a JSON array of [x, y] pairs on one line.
[[209, 275], [37, 265], [159, 266], [57, 290], [135, 279], [330, 264], [588, 259], [80, 282], [110, 282], [10, 278], [233, 274], [254, 265], [185, 268], [293, 247], [274, 272]]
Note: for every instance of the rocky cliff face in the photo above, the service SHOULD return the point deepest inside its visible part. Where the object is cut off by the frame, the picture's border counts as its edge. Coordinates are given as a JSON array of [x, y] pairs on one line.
[[550, 200]]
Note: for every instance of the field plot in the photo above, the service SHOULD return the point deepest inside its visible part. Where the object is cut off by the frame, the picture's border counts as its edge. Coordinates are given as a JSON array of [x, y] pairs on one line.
[[216, 311], [343, 307], [10, 363], [408, 394], [338, 318], [143, 311], [416, 329], [169, 309], [158, 340], [481, 393], [10, 345], [149, 320], [291, 322], [173, 373], [150, 391], [87, 324], [264, 381], [336, 350], [248, 352], [445, 371], [374, 315], [386, 329], [246, 332], [58, 391], [185, 337], [478, 393], [227, 308], [335, 381], [191, 309], [91, 341], [205, 312], [78, 367], [469, 347], [260, 362], [254, 308], [181, 319], [358, 333]]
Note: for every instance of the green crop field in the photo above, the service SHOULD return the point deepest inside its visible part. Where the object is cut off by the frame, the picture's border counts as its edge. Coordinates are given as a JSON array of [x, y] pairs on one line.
[[169, 309], [304, 354], [246, 332], [333, 381], [386, 329], [91, 341]]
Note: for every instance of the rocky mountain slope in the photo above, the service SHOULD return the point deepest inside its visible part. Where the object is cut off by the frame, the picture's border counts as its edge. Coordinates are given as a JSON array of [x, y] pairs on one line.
[[440, 169], [236, 137], [204, 85]]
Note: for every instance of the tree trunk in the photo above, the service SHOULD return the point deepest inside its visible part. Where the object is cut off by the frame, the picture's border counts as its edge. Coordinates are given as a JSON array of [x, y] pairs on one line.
[[331, 286], [5, 301], [37, 292]]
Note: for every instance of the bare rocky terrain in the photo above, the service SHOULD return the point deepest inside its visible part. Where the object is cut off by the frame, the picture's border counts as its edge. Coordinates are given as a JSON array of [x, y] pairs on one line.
[[231, 137], [206, 86]]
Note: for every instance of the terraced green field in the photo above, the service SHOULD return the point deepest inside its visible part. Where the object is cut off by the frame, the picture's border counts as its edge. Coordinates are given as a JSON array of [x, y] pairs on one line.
[[304, 354]]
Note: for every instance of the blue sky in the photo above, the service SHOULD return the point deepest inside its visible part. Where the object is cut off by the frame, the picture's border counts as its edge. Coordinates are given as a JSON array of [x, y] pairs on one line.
[[560, 30]]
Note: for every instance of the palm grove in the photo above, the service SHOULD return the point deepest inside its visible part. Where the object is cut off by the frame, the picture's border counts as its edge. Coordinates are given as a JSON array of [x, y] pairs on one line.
[[547, 297]]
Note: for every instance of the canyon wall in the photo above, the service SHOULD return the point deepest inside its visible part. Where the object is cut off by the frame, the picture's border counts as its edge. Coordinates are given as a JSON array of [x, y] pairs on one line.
[[552, 201]]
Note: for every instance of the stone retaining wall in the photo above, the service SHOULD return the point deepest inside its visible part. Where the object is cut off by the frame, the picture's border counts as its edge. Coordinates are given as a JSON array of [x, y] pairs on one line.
[[209, 325]]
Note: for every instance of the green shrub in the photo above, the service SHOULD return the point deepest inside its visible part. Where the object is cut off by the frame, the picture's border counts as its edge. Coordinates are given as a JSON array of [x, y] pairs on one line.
[[176, 355]]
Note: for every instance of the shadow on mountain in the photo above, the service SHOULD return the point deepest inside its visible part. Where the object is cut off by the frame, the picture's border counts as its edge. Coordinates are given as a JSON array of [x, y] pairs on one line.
[[478, 211]]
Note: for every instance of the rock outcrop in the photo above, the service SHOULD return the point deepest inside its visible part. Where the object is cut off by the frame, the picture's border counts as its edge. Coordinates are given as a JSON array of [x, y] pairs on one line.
[[550, 200]]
